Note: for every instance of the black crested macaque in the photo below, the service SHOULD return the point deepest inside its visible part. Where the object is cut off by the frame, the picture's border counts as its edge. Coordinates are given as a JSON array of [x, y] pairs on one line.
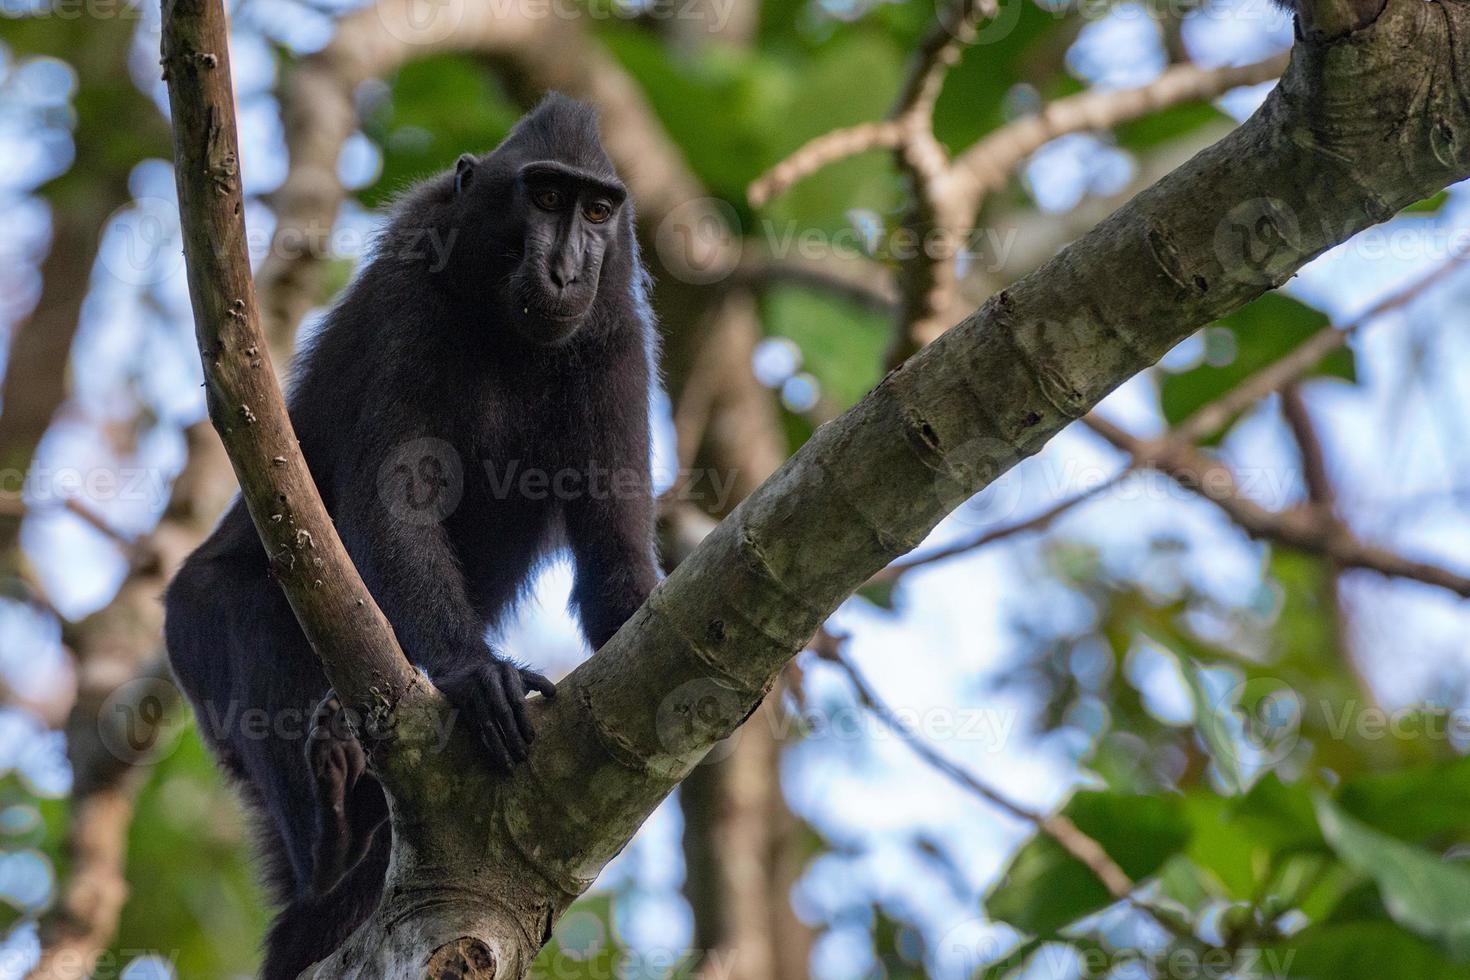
[[478, 398]]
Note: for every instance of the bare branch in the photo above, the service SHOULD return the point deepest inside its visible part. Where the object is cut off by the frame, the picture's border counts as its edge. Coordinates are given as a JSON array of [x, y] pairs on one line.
[[824, 151], [987, 165], [1037, 522], [865, 284], [1210, 419], [1300, 529], [948, 195], [1056, 826], [938, 52]]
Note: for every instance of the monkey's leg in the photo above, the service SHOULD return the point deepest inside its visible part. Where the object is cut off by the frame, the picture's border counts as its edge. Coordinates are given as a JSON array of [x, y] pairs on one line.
[[350, 806]]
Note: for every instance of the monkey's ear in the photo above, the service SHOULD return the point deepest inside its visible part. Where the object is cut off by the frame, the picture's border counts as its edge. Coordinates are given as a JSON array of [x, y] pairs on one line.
[[464, 169]]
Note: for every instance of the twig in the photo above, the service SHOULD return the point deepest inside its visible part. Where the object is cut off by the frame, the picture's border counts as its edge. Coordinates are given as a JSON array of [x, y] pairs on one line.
[[1323, 499], [948, 195], [863, 283], [1037, 522], [1301, 529], [1056, 826], [939, 52], [1309, 446], [94, 520], [823, 151], [1211, 418], [987, 165]]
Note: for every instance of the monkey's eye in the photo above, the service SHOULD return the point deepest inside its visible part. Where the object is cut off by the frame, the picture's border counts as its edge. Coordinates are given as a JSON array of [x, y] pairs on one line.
[[597, 212], [548, 199]]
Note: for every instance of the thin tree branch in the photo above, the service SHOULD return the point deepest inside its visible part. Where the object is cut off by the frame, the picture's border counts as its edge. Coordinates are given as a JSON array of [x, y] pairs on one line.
[[858, 281], [1056, 826], [1300, 529], [1210, 419], [987, 165], [822, 152], [1037, 522], [948, 195], [938, 53], [1309, 445]]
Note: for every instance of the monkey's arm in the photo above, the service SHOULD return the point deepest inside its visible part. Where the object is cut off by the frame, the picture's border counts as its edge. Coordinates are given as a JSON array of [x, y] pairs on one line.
[[610, 527], [612, 542], [392, 528]]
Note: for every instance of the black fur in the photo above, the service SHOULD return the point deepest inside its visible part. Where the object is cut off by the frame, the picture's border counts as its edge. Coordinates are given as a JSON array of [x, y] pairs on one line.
[[520, 340]]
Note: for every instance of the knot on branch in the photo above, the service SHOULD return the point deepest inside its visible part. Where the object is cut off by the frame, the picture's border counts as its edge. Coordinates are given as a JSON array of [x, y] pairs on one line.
[[462, 959]]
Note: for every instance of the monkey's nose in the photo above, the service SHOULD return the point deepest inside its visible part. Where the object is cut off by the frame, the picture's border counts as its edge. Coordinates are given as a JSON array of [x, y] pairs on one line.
[[560, 277]]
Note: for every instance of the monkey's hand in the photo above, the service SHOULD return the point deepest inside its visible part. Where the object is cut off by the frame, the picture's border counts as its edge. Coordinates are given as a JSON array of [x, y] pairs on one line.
[[350, 806], [492, 696]]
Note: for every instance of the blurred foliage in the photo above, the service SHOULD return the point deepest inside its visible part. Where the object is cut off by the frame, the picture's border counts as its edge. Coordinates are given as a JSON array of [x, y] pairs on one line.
[[1240, 345], [1288, 821]]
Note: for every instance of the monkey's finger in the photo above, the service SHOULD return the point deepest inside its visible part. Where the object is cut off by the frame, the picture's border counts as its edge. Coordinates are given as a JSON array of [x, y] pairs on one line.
[[493, 743], [500, 710], [540, 684], [518, 707]]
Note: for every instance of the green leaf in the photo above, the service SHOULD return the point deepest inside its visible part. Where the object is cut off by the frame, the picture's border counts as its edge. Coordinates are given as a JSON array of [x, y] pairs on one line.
[[1240, 841], [1012, 961], [1422, 805], [1354, 951], [1430, 205], [1241, 344], [1044, 888], [1421, 891]]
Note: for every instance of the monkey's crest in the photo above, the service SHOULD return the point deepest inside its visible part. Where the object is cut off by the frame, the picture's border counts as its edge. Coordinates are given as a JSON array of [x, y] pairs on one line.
[[560, 128]]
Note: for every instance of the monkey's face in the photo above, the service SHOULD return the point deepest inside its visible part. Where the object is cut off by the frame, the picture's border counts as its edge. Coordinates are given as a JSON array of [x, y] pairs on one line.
[[569, 224], [563, 222]]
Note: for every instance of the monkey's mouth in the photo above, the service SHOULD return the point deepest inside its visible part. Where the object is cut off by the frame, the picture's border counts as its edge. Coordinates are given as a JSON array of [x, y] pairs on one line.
[[547, 328]]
